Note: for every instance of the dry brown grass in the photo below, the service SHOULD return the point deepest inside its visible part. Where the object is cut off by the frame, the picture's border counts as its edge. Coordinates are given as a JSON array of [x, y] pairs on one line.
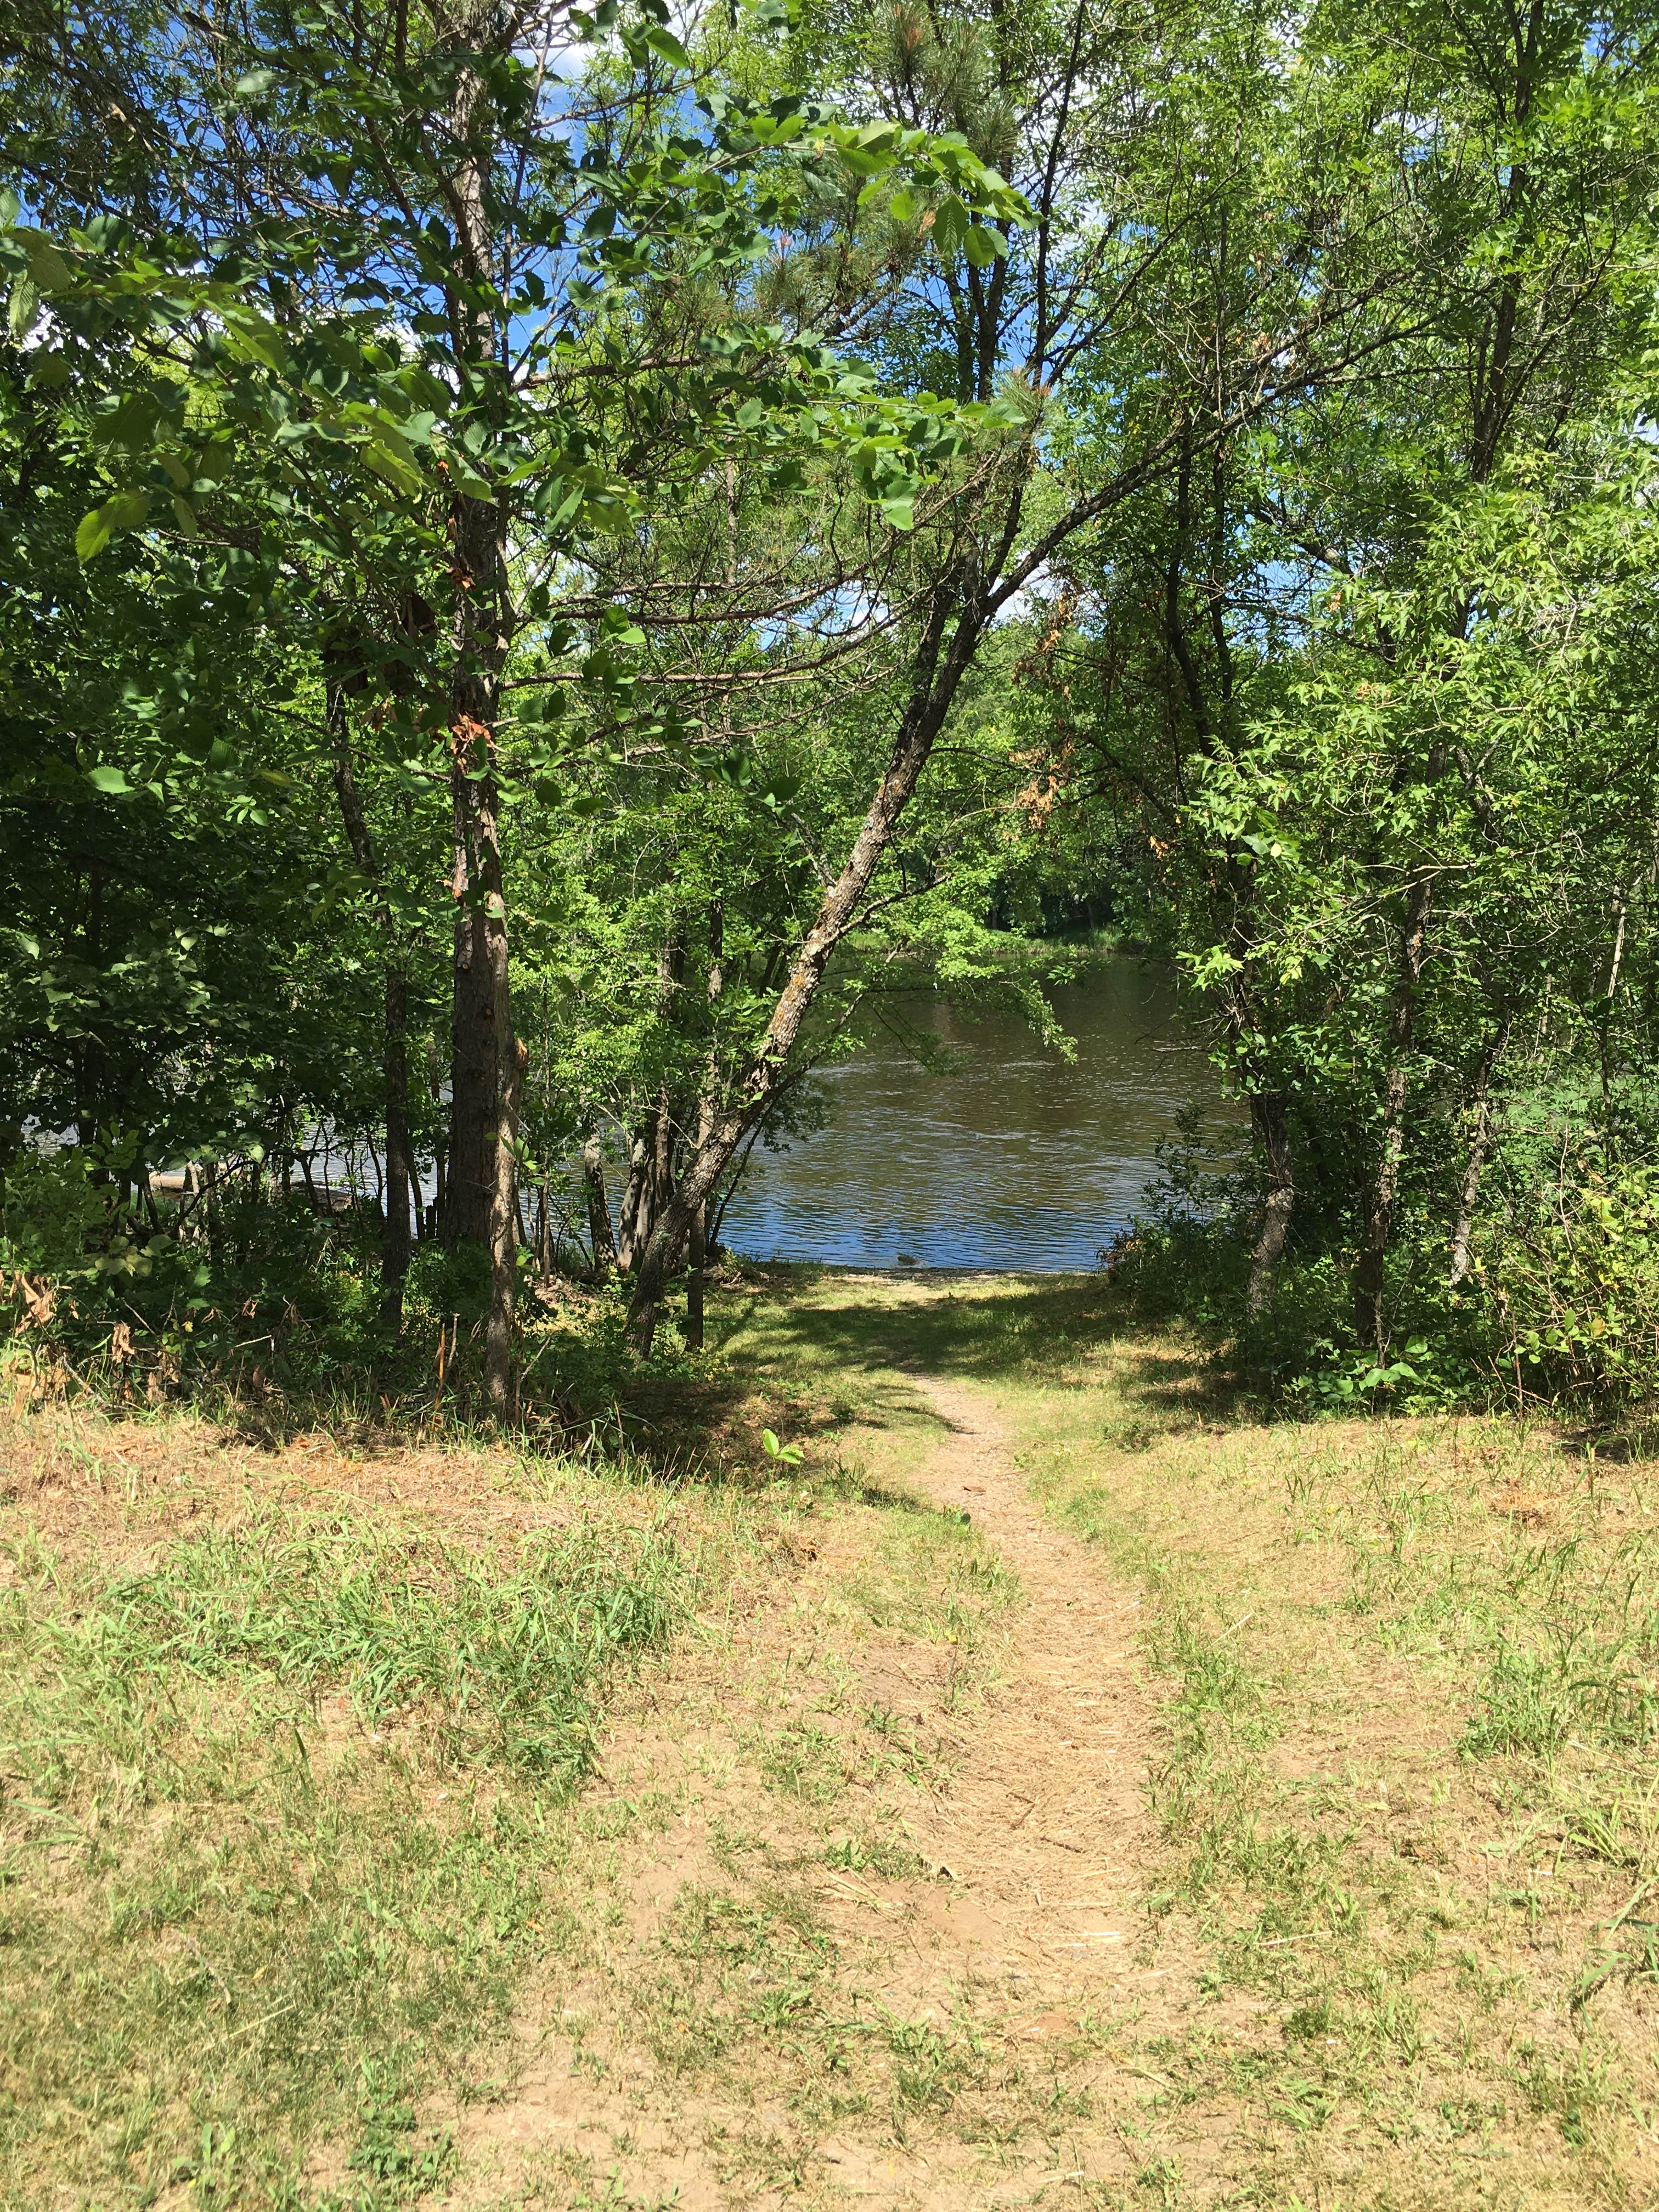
[[1221, 1814]]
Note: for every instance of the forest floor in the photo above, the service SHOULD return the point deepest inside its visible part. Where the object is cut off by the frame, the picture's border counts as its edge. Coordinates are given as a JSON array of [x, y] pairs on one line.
[[1062, 1789]]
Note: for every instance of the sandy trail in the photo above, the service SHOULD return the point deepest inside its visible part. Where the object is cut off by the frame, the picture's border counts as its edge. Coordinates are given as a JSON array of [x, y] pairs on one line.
[[1041, 1828], [1046, 1829]]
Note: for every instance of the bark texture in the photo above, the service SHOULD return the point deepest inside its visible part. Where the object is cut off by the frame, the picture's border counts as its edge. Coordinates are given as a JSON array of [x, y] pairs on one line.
[[598, 1210], [470, 1176], [1270, 1119], [636, 1209]]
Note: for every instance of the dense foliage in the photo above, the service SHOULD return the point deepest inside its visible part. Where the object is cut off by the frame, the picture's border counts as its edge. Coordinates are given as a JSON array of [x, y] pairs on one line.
[[548, 556]]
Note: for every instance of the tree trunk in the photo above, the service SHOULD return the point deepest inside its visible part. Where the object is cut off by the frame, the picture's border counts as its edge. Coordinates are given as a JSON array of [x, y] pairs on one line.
[[1385, 1180], [698, 1231], [1270, 1119], [930, 700], [485, 1062], [598, 1210], [504, 1233], [1475, 1165], [394, 1048], [661, 1169], [470, 1176], [636, 1195]]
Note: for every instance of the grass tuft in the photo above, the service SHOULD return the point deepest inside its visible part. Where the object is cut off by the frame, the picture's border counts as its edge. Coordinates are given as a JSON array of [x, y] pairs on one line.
[[497, 1658]]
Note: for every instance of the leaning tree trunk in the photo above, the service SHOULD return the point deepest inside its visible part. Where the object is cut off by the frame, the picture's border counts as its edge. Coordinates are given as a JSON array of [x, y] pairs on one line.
[[1270, 1118], [930, 700]]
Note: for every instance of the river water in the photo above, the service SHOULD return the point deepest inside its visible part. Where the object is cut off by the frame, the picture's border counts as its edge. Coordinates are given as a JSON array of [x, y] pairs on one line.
[[1016, 1158]]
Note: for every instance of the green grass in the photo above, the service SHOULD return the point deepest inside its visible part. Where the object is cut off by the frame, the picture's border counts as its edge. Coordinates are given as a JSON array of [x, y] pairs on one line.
[[295, 1813], [281, 1806], [1408, 1673], [494, 1660]]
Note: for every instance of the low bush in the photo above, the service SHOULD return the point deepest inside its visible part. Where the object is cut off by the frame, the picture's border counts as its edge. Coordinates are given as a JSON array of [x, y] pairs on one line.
[[255, 1300], [1559, 1306]]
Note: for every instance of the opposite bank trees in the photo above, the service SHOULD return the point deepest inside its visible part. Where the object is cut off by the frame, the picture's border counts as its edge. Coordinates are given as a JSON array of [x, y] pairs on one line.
[[1367, 686]]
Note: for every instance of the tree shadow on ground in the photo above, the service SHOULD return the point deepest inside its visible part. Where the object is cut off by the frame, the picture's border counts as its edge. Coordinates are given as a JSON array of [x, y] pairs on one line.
[[802, 1350], [1055, 1332]]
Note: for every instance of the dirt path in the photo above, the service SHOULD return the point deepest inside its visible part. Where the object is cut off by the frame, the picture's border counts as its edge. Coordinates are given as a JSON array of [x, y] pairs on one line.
[[1046, 1829], [999, 1969]]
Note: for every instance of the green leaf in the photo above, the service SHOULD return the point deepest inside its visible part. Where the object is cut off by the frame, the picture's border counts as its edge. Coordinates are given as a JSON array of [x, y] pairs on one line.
[[467, 479], [905, 205], [900, 510], [50, 272], [667, 46], [23, 309], [949, 224], [108, 779], [608, 514], [93, 535], [185, 515], [253, 82], [128, 510], [10, 207], [392, 468], [48, 372], [980, 246]]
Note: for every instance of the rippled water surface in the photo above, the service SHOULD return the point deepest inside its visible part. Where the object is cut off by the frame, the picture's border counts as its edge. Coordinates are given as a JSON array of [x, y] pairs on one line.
[[1018, 1158]]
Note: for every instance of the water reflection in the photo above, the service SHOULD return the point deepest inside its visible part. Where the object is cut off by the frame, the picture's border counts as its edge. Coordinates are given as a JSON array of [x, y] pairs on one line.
[[1018, 1158]]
